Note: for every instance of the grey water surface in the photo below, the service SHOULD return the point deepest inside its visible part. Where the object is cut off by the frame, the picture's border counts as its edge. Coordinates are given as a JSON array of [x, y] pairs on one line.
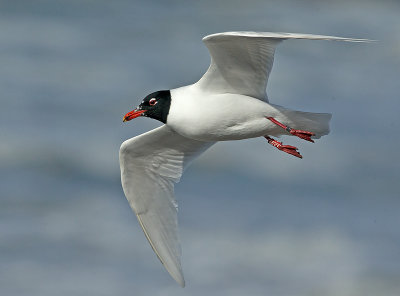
[[253, 220]]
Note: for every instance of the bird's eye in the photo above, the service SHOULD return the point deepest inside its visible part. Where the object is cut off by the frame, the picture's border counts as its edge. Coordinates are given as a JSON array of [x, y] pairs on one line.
[[152, 102]]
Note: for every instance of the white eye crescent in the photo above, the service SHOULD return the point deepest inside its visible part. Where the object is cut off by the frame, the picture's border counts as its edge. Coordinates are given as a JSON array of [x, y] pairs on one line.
[[152, 102]]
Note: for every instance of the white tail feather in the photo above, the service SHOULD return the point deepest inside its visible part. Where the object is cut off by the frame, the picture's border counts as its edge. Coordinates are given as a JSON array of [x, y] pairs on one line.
[[317, 123]]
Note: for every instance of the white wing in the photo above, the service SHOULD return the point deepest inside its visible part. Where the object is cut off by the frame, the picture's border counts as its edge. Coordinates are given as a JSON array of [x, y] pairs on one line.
[[241, 61], [150, 163]]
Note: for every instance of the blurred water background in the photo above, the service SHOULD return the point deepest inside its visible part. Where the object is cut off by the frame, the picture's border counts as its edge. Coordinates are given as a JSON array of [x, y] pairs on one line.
[[253, 220]]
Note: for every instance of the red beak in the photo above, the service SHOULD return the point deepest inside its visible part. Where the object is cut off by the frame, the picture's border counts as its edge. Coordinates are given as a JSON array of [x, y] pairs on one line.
[[133, 114]]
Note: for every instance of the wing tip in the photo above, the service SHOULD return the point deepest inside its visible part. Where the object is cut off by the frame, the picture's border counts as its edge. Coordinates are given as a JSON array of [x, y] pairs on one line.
[[175, 271], [173, 267], [180, 280], [283, 35]]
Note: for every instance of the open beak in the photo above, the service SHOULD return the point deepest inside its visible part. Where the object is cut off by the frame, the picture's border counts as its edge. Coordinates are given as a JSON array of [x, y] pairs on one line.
[[133, 114]]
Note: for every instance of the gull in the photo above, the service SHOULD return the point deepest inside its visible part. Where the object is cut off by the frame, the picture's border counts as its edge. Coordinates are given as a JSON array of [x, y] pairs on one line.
[[228, 103]]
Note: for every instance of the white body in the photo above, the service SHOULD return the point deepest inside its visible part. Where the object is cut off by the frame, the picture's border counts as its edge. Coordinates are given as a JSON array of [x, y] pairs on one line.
[[197, 115]]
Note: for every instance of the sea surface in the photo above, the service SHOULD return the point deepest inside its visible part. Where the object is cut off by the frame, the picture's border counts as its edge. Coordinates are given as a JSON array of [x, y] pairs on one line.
[[253, 220]]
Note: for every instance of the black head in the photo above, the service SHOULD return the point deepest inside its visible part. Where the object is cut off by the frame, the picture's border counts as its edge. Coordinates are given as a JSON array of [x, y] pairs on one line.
[[155, 105]]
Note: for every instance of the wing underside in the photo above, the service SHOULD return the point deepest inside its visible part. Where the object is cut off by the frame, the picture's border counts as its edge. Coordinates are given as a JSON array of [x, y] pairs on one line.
[[150, 165]]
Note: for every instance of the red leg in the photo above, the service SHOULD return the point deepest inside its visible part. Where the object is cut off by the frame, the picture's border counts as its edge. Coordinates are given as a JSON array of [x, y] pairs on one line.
[[305, 135], [285, 148]]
